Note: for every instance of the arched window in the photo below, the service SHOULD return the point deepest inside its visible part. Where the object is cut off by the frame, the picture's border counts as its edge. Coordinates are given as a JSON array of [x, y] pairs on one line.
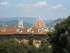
[[40, 30], [19, 30], [30, 30]]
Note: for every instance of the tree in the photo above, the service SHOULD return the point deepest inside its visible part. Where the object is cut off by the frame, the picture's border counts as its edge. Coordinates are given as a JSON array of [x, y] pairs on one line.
[[32, 49], [44, 47], [60, 37], [31, 38], [17, 48], [12, 46]]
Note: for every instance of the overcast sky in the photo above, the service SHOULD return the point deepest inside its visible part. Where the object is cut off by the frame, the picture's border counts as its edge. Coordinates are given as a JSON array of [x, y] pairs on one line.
[[47, 9]]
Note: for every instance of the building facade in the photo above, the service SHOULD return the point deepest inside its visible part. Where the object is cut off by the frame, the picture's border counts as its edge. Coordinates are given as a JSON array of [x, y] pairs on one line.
[[21, 34]]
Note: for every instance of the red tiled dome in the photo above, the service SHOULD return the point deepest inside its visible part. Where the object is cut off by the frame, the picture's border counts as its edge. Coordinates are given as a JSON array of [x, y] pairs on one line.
[[39, 24]]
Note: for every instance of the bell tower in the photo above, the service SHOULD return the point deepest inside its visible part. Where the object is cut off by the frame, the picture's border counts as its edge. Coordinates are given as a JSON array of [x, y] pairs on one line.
[[20, 23]]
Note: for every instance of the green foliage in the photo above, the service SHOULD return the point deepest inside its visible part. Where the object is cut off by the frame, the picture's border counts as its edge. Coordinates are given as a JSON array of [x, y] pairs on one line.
[[31, 38], [32, 49], [12, 46], [60, 38], [44, 47]]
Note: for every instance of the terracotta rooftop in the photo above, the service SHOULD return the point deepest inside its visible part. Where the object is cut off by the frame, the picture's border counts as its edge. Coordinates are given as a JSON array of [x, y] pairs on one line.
[[39, 27], [10, 31], [39, 24]]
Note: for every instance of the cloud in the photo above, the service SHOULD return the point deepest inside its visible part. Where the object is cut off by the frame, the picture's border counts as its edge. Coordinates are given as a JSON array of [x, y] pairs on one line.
[[39, 4], [5, 3], [56, 6]]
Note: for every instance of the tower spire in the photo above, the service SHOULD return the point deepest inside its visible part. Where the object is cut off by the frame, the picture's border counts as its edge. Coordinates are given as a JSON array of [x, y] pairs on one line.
[[20, 23]]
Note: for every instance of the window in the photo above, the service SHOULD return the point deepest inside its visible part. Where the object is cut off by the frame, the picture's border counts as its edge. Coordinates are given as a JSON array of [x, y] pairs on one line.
[[30, 30], [40, 30], [20, 31]]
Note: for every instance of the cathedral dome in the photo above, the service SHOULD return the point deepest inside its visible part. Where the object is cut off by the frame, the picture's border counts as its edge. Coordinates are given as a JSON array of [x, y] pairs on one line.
[[39, 24]]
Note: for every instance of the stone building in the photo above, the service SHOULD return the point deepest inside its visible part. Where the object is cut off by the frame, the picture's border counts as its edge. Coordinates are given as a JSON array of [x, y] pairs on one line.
[[21, 34]]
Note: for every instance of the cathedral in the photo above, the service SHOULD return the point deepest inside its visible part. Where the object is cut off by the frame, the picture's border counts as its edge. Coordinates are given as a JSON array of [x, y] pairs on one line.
[[21, 34]]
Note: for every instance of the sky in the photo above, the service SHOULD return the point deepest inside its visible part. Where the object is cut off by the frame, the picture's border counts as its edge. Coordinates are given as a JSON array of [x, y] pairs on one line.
[[47, 9]]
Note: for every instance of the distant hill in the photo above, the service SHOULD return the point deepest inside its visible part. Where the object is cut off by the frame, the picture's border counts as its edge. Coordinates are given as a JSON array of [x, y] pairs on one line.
[[13, 24], [51, 24], [25, 19], [27, 22]]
